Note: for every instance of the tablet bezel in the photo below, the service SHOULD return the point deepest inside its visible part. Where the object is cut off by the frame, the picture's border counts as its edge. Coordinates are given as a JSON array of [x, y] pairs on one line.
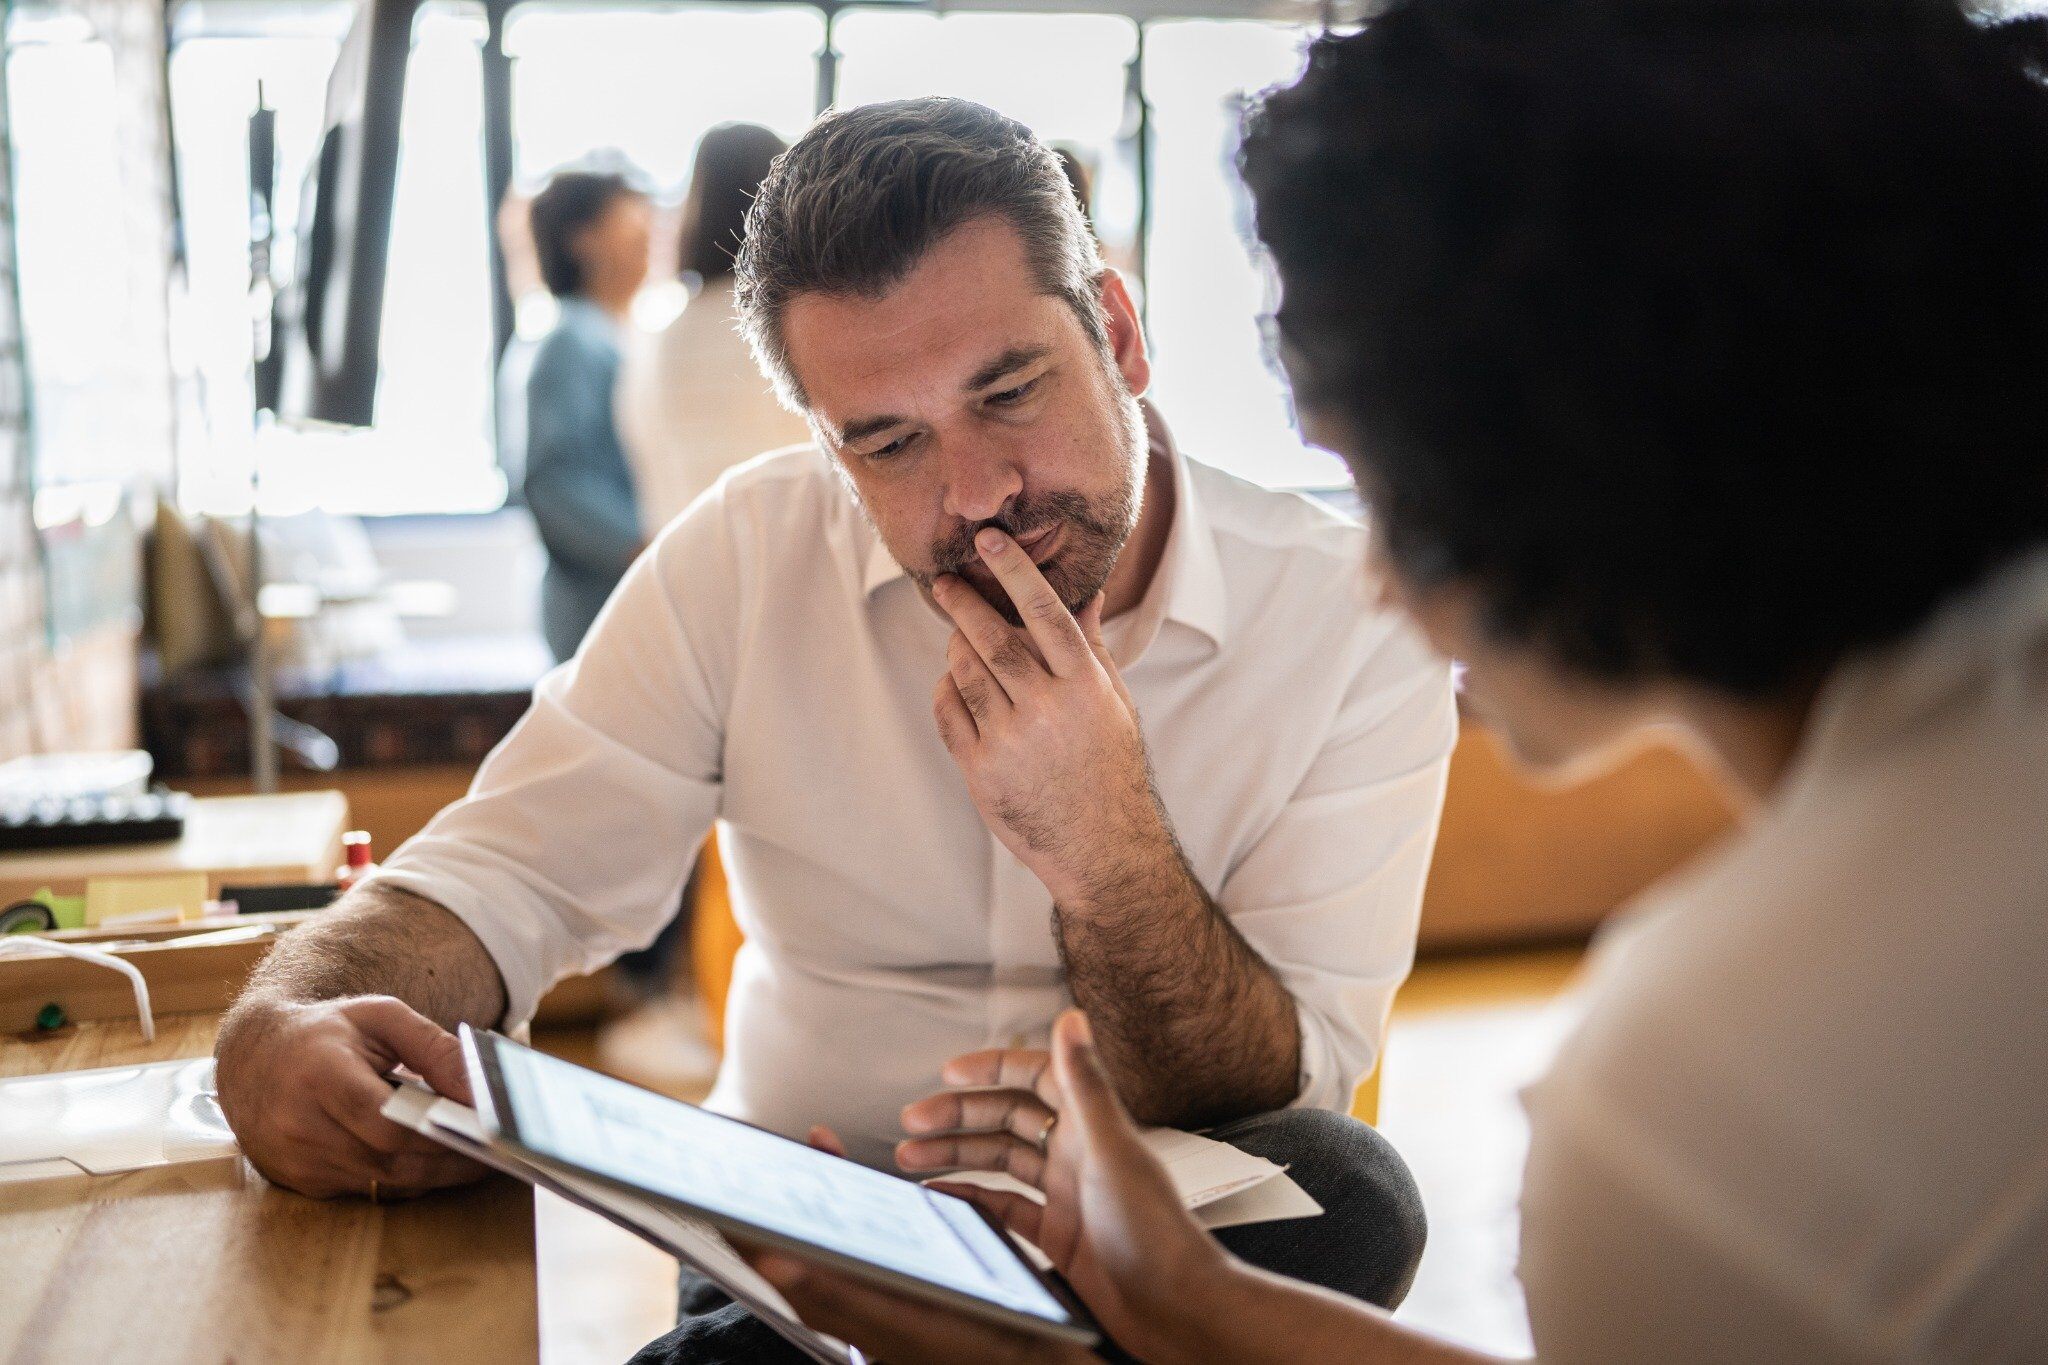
[[494, 1109]]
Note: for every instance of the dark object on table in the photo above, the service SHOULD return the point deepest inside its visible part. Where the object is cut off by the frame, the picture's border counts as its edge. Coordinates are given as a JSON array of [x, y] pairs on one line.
[[264, 900], [27, 917], [91, 821]]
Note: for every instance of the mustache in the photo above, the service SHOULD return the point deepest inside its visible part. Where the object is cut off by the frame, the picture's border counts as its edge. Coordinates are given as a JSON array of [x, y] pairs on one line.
[[1026, 516]]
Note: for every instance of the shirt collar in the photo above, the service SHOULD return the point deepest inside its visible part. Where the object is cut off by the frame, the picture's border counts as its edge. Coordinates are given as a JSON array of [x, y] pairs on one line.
[[1987, 640], [1187, 587]]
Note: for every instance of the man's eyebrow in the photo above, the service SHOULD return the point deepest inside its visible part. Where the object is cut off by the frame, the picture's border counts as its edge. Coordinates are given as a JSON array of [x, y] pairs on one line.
[[860, 428], [1016, 358], [1009, 362]]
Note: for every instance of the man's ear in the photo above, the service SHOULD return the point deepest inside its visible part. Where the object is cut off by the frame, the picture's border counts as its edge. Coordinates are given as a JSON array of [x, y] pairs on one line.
[[1126, 335]]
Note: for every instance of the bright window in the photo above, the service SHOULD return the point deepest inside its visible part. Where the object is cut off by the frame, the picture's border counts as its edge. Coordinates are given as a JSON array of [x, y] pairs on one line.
[[649, 83], [431, 448], [1065, 76], [594, 83], [98, 387], [1212, 375], [646, 82]]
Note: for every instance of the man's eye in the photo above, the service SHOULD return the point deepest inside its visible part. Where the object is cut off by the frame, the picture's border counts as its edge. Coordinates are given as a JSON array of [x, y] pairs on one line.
[[1010, 397], [894, 447]]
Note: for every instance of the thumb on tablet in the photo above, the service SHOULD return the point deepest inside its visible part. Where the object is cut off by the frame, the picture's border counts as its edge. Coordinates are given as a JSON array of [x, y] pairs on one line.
[[1092, 1103], [825, 1140], [404, 1034]]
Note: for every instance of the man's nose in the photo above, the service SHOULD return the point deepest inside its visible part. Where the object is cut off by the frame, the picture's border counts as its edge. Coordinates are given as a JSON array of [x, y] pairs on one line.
[[979, 485]]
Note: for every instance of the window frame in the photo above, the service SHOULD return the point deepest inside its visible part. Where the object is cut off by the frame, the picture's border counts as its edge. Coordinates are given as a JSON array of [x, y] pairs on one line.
[[499, 146]]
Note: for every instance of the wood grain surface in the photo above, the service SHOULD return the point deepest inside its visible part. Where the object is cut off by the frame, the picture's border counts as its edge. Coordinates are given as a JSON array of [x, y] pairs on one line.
[[208, 1262]]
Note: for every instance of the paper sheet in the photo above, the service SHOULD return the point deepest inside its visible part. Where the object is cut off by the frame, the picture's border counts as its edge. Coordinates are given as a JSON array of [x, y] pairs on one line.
[[1223, 1186], [119, 1118]]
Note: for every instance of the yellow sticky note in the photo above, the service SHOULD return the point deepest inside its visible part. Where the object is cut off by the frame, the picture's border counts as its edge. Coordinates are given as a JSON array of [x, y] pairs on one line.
[[111, 902]]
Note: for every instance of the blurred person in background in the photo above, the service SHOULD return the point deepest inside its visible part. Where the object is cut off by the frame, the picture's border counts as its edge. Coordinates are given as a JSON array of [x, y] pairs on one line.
[[692, 403], [591, 232]]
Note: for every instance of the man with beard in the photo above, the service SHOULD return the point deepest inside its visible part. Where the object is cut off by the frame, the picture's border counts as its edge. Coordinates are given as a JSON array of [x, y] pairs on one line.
[[1002, 704]]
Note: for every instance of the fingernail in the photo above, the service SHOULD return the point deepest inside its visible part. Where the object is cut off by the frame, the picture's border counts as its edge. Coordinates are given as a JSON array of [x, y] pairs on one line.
[[991, 541], [1078, 1029]]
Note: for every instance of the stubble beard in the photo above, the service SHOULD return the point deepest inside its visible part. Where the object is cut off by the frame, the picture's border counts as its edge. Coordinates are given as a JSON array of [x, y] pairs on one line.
[[1094, 530]]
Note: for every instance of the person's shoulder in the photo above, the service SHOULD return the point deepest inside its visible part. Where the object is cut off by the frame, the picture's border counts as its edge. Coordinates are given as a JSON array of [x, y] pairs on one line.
[[574, 345], [1289, 560], [800, 472], [1281, 526], [789, 491], [782, 516]]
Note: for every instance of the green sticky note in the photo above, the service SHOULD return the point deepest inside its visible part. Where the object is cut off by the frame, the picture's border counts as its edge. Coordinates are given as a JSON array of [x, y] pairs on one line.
[[69, 910]]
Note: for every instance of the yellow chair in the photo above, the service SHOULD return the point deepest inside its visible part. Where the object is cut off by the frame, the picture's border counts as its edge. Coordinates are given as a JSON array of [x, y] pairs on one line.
[[715, 940]]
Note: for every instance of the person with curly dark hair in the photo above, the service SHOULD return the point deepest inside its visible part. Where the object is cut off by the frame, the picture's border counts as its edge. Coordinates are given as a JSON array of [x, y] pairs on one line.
[[1690, 359]]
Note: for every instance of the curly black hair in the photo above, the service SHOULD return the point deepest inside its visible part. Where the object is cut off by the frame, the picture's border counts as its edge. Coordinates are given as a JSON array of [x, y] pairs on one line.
[[1704, 339]]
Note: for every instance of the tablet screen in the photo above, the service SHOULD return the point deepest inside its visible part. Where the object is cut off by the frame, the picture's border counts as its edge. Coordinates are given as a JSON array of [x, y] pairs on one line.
[[723, 1167]]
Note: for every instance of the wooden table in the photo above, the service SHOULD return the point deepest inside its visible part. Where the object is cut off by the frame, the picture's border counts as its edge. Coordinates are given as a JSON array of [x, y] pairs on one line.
[[209, 1262], [234, 840]]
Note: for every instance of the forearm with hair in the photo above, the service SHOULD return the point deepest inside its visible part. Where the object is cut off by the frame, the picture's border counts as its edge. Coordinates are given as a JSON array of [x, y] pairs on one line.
[[383, 941], [1190, 1021]]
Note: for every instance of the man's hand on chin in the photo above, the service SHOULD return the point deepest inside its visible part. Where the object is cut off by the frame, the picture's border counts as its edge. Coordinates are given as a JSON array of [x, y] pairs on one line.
[[1042, 726]]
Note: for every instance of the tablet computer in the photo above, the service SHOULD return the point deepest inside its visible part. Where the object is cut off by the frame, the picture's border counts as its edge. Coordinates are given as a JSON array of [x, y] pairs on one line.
[[764, 1188]]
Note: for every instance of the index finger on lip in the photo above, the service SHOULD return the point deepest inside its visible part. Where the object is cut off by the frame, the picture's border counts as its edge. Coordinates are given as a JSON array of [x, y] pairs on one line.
[[1052, 627], [989, 635]]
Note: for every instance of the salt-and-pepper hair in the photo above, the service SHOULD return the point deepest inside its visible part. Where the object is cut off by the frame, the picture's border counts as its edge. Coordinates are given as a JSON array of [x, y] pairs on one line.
[[855, 204]]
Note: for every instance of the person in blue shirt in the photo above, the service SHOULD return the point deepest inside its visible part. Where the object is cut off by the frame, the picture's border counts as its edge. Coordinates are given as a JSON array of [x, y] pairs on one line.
[[591, 233]]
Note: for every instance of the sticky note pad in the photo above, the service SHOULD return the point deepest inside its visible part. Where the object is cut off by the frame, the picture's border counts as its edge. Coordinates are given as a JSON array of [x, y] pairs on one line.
[[111, 902]]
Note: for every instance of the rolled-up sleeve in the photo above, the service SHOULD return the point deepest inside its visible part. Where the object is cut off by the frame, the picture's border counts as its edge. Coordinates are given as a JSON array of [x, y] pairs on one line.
[[573, 843], [1331, 894]]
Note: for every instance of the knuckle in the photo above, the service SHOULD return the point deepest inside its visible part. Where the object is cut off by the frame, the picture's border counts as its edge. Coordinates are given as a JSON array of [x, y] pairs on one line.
[[407, 1173], [388, 1144], [1010, 655]]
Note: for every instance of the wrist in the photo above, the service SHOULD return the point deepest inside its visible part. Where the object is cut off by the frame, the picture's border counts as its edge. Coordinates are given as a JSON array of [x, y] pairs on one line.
[[1210, 1310], [1127, 856], [1126, 860]]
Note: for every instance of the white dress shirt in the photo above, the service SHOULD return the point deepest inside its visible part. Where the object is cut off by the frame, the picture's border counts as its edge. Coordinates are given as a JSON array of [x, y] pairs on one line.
[[692, 404], [1805, 1118], [768, 664]]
